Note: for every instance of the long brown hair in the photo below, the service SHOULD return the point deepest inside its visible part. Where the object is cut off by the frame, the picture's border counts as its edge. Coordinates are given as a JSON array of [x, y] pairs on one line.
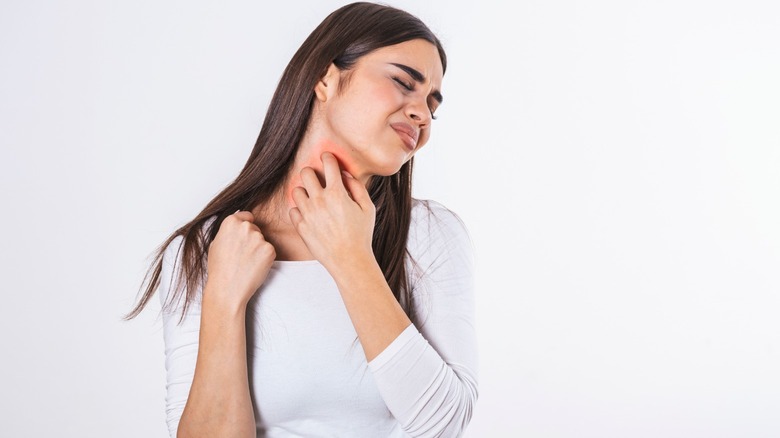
[[347, 34]]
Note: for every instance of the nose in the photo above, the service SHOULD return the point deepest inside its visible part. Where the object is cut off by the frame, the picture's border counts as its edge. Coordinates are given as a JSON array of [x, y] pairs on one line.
[[418, 111]]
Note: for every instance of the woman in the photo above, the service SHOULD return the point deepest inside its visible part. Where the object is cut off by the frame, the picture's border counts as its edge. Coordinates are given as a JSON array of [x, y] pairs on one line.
[[313, 296]]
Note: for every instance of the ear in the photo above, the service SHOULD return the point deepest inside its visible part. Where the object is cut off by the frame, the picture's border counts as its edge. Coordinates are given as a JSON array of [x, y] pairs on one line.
[[328, 83]]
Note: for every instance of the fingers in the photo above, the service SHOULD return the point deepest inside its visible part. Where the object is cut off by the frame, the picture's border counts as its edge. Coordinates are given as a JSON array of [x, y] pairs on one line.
[[244, 216], [331, 168], [335, 178], [357, 191], [247, 218], [295, 216], [299, 196], [310, 180], [345, 176], [241, 217]]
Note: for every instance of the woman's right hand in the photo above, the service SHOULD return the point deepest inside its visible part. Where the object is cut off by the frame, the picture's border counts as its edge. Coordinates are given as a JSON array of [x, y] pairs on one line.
[[239, 259]]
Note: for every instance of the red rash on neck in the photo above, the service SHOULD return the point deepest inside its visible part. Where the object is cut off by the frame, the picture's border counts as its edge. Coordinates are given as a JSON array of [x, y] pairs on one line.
[[314, 160]]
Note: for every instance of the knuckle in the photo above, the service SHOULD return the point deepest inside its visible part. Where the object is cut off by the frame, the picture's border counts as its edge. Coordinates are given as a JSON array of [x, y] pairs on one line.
[[256, 238]]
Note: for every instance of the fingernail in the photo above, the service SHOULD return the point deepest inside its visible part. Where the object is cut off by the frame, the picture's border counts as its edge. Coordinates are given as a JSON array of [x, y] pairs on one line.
[[347, 174]]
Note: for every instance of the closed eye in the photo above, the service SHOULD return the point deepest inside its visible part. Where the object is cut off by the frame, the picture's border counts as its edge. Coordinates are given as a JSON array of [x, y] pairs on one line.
[[404, 84], [409, 87]]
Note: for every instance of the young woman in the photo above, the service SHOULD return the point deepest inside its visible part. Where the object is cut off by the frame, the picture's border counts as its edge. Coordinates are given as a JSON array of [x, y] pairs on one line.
[[314, 296]]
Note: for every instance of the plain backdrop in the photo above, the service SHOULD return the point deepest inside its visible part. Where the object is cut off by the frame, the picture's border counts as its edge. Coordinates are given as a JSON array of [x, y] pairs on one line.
[[617, 164]]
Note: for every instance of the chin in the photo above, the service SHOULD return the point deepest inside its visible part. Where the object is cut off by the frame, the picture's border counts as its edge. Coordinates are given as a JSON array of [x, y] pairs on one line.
[[390, 173], [387, 159], [390, 167]]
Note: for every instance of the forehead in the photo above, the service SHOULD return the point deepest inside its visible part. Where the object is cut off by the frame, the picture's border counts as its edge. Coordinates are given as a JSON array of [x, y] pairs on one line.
[[418, 54]]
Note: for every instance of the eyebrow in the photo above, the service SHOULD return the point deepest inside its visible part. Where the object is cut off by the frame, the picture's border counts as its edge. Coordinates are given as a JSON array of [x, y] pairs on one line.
[[420, 78]]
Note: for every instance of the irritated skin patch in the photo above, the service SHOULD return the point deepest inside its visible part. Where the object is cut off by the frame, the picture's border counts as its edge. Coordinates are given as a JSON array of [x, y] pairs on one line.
[[314, 160]]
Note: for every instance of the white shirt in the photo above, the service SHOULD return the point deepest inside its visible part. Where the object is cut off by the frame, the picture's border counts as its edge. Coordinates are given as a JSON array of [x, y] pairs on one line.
[[308, 374]]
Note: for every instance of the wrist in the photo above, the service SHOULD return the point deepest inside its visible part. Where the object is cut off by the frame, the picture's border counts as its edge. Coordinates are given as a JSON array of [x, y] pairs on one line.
[[220, 299], [347, 269]]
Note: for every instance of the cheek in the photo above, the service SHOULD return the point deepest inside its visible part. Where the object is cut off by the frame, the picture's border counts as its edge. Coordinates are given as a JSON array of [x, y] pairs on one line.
[[366, 108], [424, 136], [385, 98]]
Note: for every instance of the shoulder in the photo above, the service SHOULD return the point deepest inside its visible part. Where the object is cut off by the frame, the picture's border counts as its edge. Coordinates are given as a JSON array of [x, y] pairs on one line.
[[430, 214], [172, 275], [435, 226], [172, 252]]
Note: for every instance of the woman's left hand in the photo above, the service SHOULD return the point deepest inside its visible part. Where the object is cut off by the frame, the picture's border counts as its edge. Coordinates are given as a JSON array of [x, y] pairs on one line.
[[336, 221]]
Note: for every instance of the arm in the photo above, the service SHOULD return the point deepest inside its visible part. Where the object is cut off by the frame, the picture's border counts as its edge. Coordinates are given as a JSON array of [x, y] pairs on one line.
[[219, 403], [430, 388], [427, 377], [336, 223], [428, 374], [375, 313], [206, 362]]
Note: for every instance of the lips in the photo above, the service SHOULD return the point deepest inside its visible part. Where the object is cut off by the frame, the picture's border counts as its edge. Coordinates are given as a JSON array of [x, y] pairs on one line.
[[407, 133]]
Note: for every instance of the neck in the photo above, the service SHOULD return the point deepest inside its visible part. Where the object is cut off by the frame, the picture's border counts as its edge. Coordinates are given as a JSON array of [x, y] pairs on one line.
[[310, 155], [275, 212]]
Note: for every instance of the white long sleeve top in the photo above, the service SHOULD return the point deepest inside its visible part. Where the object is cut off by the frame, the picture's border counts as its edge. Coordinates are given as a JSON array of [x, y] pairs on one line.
[[308, 375]]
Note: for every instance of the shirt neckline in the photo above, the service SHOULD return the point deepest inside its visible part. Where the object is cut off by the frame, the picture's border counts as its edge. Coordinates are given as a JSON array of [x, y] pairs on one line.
[[296, 262]]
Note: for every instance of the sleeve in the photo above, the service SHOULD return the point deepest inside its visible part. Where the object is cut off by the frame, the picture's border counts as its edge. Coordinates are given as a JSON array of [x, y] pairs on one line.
[[181, 341], [428, 376]]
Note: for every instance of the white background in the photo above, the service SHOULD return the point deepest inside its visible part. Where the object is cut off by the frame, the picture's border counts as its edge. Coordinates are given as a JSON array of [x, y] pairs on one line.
[[617, 164]]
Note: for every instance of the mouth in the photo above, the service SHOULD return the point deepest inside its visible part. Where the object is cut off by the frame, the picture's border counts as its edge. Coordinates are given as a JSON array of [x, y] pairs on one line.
[[407, 134]]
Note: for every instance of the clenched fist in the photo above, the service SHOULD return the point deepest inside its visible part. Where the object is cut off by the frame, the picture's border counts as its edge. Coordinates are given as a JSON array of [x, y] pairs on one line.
[[239, 259]]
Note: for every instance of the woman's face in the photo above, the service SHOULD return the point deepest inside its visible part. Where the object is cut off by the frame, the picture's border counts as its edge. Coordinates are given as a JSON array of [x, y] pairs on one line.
[[382, 114]]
